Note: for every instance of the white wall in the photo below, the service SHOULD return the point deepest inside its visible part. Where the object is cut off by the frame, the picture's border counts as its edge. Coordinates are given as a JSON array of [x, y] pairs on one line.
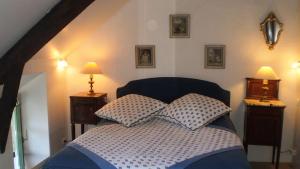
[[6, 159], [235, 24], [112, 46], [17, 17], [56, 99], [108, 30], [34, 107]]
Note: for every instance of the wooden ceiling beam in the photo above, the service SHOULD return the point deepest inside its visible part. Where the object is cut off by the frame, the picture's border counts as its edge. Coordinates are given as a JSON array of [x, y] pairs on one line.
[[12, 63]]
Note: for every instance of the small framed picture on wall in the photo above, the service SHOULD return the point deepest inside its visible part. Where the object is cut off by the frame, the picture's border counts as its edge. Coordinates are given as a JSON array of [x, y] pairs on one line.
[[145, 56], [214, 57], [180, 26]]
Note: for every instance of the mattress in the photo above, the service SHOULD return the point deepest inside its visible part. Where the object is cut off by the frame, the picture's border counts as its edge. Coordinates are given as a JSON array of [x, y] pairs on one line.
[[86, 152]]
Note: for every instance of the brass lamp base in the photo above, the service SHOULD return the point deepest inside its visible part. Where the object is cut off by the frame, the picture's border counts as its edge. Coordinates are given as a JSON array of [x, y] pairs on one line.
[[91, 93], [264, 98], [91, 82]]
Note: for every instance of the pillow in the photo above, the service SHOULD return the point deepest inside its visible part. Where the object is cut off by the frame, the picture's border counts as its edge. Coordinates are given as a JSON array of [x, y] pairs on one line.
[[194, 110], [131, 109]]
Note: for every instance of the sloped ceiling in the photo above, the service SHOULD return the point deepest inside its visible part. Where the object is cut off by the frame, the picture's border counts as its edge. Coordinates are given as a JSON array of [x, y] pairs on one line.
[[80, 30], [17, 17]]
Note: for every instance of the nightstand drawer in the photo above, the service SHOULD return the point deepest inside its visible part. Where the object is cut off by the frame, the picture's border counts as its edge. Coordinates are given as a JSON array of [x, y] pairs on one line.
[[254, 111], [87, 100], [84, 113], [89, 103], [83, 108]]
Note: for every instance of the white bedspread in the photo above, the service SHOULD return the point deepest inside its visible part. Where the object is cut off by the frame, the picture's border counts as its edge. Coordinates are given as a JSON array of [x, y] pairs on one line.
[[156, 144]]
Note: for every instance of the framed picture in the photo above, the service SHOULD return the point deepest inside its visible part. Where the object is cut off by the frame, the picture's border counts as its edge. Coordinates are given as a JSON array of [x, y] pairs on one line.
[[145, 56], [180, 26], [214, 57]]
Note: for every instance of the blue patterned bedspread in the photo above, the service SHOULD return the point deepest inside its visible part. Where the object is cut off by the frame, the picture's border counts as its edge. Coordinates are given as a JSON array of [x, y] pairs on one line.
[[76, 156]]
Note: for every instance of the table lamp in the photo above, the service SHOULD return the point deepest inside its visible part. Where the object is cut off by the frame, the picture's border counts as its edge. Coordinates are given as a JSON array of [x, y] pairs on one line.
[[91, 68], [265, 73]]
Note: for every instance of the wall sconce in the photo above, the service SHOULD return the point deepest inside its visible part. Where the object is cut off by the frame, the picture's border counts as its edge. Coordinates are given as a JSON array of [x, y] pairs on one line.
[[271, 28], [296, 65], [62, 64]]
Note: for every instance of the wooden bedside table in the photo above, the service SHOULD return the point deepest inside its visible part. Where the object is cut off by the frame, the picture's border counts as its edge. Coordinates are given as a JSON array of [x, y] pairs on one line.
[[83, 107], [263, 125]]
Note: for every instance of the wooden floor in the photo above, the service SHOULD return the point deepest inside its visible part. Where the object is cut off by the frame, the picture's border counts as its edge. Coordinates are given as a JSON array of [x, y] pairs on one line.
[[269, 166]]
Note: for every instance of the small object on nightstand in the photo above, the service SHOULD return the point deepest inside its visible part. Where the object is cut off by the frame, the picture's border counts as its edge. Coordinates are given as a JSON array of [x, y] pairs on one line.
[[83, 107], [254, 89], [265, 73], [263, 125]]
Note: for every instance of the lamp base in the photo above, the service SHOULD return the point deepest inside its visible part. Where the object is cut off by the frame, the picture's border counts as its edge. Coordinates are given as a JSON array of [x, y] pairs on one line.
[[264, 98], [91, 82], [91, 93]]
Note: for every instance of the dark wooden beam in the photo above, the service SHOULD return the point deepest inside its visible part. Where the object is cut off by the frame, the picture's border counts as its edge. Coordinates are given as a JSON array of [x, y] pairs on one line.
[[8, 101], [12, 63]]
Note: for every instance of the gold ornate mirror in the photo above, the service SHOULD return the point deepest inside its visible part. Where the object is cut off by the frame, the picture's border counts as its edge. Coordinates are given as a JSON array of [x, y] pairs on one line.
[[271, 28]]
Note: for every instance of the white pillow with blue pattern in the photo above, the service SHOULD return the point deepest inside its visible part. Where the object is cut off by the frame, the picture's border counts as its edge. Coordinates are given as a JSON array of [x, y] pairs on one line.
[[194, 111], [131, 109]]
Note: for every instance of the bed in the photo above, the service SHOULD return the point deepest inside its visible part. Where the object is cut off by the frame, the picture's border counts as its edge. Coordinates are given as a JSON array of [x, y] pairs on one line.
[[165, 89]]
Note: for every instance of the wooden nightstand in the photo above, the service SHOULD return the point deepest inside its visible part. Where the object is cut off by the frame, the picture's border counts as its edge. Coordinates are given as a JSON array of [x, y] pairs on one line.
[[263, 125], [83, 107]]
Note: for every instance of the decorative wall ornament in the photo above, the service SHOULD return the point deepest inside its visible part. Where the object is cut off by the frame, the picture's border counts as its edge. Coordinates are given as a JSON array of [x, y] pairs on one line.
[[145, 56], [214, 57], [271, 28], [180, 25]]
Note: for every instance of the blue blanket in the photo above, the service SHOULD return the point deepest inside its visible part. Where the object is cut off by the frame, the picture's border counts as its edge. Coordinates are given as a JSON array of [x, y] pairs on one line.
[[71, 158]]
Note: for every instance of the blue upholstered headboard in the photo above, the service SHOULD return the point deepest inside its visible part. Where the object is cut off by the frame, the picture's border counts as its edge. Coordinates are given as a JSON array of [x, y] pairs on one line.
[[168, 89]]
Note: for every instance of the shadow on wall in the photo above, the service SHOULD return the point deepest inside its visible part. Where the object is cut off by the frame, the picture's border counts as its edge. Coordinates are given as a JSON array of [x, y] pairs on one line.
[[296, 158]]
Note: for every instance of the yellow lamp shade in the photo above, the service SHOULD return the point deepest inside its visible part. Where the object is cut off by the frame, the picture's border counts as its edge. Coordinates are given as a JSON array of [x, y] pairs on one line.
[[91, 68], [266, 73]]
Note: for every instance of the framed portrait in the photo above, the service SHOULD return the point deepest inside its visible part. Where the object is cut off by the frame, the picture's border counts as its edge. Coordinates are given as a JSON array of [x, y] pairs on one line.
[[214, 57], [180, 26], [145, 56]]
